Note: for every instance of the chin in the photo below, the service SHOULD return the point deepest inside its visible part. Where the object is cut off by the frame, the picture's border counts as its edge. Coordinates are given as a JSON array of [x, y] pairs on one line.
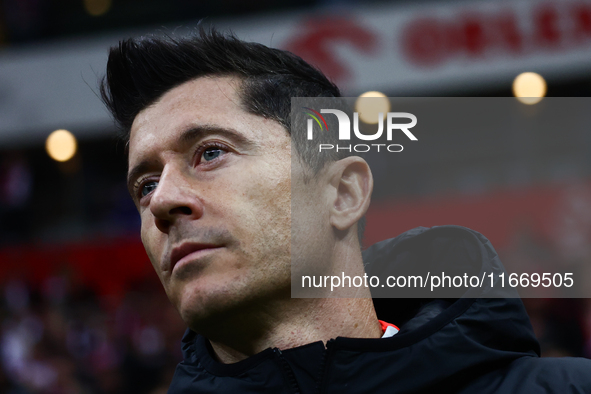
[[203, 306]]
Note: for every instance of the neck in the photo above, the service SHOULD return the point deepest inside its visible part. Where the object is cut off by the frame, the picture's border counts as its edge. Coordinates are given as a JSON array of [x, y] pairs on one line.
[[301, 322]]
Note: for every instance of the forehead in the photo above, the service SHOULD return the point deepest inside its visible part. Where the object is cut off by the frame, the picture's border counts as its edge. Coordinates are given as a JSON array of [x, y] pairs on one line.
[[205, 101]]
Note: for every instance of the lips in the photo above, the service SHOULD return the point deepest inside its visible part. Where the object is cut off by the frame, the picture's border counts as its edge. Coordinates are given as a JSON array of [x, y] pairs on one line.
[[180, 252]]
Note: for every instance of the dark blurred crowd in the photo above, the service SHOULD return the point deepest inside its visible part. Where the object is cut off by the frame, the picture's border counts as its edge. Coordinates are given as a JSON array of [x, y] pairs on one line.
[[62, 338]]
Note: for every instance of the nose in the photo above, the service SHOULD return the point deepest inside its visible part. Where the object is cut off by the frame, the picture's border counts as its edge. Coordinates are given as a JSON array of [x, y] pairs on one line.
[[174, 199]]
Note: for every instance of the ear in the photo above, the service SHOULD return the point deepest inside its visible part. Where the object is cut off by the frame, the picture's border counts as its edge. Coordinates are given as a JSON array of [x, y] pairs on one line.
[[353, 182]]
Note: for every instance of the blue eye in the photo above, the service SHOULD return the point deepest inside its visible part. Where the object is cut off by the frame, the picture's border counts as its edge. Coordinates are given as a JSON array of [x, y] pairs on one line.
[[212, 153], [148, 188]]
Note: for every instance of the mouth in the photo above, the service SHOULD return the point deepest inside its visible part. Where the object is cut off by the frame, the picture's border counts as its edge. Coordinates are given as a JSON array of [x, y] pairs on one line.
[[189, 251]]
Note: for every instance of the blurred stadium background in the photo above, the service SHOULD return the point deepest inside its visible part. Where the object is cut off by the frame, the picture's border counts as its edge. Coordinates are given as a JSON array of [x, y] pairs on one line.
[[81, 310]]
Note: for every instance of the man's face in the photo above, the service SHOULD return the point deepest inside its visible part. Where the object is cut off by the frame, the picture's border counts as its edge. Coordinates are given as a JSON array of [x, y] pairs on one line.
[[212, 185]]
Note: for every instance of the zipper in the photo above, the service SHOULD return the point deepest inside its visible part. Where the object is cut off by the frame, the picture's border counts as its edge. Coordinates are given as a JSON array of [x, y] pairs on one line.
[[324, 365], [293, 383]]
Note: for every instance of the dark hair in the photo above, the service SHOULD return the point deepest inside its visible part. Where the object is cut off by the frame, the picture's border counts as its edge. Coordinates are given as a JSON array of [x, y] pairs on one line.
[[140, 71]]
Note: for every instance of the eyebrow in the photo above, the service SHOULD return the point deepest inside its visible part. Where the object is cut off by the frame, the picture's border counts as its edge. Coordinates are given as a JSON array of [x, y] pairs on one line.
[[190, 135]]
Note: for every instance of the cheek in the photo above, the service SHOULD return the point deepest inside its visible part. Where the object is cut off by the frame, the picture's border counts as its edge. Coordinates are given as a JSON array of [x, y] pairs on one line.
[[261, 213], [150, 239], [273, 215]]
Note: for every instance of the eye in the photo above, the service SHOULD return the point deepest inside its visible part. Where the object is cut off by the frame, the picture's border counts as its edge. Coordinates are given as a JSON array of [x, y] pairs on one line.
[[212, 153], [148, 188]]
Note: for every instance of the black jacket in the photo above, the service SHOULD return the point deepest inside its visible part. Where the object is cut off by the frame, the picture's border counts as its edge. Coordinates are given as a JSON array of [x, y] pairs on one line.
[[466, 345]]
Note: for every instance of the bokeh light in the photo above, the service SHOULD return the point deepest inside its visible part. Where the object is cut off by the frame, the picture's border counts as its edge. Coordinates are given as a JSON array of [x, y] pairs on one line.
[[61, 145], [529, 88], [370, 104], [97, 7]]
